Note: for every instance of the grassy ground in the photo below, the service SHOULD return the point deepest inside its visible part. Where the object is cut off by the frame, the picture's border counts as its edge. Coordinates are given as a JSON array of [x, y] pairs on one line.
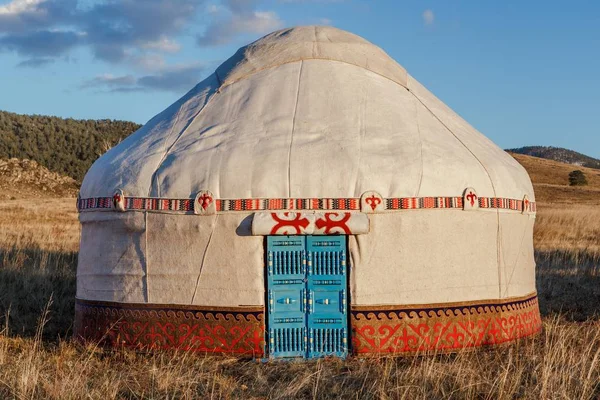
[[38, 258]]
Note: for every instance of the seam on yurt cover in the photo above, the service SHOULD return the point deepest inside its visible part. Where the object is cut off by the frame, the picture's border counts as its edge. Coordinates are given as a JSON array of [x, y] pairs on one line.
[[183, 131], [146, 256], [212, 231], [314, 43], [321, 58], [166, 149], [460, 141], [498, 255], [512, 272], [421, 145], [361, 132], [292, 132]]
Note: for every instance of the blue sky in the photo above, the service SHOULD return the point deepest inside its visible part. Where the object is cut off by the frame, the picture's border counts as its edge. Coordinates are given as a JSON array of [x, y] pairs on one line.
[[523, 73]]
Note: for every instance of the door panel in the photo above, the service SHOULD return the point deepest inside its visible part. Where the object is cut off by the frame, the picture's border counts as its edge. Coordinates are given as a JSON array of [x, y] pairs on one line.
[[306, 289], [286, 295], [326, 283]]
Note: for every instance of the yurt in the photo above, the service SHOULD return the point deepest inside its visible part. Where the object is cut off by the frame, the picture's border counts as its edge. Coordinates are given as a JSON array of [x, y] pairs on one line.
[[309, 198]]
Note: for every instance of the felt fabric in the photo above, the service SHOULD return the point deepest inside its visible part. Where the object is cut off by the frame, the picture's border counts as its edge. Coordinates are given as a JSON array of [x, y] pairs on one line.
[[408, 257], [303, 113], [309, 43], [308, 128]]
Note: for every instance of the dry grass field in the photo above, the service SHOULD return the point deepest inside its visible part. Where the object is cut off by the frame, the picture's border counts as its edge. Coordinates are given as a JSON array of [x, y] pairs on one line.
[[38, 258]]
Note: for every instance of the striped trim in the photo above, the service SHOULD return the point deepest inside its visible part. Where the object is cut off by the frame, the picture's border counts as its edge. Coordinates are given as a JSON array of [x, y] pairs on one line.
[[288, 204], [410, 203], [138, 203], [350, 204], [94, 203]]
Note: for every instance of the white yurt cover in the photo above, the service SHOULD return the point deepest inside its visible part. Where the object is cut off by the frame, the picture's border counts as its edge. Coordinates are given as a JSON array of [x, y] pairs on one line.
[[315, 122]]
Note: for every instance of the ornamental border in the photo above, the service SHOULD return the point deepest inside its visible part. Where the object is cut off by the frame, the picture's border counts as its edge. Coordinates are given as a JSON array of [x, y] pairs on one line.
[[297, 204], [376, 329], [442, 328], [455, 305], [224, 330]]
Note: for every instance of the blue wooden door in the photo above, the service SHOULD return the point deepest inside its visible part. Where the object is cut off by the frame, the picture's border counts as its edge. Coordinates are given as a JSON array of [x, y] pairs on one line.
[[327, 320], [286, 295], [307, 298]]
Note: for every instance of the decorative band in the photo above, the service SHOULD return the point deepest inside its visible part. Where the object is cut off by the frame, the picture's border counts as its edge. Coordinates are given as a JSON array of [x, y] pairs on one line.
[[505, 204], [376, 330], [230, 330], [443, 328], [286, 204]]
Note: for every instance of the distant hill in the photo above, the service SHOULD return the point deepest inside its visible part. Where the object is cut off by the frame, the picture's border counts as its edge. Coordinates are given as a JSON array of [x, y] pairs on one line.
[[65, 146], [551, 182], [558, 154], [27, 178]]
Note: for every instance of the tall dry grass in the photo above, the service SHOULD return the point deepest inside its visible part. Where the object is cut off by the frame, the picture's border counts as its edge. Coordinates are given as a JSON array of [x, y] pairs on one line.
[[42, 223], [38, 360], [570, 229], [561, 363]]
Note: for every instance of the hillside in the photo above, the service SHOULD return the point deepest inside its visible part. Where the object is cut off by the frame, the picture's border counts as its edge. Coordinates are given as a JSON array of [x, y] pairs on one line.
[[27, 179], [551, 181], [65, 146], [558, 154]]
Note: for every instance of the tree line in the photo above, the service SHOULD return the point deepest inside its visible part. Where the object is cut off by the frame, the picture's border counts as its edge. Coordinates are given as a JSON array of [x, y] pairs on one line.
[[64, 145]]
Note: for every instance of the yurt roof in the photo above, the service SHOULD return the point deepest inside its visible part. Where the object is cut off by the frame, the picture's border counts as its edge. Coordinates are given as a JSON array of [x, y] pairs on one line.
[[307, 112]]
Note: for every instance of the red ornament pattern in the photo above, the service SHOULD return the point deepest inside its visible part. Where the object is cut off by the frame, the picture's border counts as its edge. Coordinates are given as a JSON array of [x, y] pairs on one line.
[[330, 225], [231, 331], [445, 328], [373, 201], [205, 200], [296, 224], [472, 197], [241, 330]]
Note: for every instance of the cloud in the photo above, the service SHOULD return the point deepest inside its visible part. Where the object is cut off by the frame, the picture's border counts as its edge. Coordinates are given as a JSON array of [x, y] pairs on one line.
[[35, 62], [149, 62], [163, 44], [176, 78], [115, 30], [311, 1], [28, 16], [109, 80], [428, 17], [19, 6], [136, 34], [40, 43], [123, 31], [241, 18]]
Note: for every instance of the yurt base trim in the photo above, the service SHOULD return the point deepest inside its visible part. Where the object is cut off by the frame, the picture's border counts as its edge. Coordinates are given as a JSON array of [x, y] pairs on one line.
[[443, 327], [230, 330], [376, 330]]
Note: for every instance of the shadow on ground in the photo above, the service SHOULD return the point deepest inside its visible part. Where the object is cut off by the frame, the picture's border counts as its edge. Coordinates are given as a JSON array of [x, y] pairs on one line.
[[30, 279], [568, 283]]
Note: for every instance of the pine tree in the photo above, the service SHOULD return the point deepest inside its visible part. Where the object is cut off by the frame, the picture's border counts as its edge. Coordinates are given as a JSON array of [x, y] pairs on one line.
[[577, 178]]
